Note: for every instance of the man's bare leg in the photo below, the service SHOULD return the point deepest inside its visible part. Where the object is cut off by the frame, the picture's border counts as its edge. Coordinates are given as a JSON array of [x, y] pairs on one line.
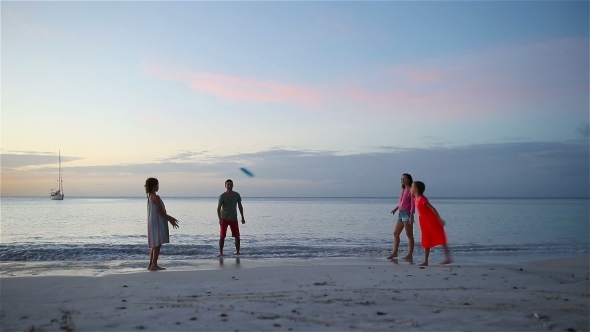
[[237, 245], [221, 243]]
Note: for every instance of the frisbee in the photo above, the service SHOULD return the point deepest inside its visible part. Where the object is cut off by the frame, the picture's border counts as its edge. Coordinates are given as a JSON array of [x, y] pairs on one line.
[[247, 172]]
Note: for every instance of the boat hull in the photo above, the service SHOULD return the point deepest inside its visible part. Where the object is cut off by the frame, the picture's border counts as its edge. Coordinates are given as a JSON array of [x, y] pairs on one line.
[[57, 197]]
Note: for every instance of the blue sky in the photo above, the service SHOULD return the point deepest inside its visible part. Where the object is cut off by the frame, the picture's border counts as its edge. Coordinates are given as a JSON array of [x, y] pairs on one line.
[[351, 94]]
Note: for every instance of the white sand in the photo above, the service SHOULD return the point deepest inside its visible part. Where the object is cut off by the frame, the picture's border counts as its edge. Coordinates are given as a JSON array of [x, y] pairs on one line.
[[373, 296]]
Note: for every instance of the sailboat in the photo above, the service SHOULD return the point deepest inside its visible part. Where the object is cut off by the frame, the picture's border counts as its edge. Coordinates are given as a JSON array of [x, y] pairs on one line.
[[59, 194]]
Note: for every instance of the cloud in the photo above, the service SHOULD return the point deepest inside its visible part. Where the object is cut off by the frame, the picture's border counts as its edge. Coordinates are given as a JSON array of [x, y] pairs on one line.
[[238, 88], [507, 79], [517, 169], [32, 158], [182, 156], [488, 81]]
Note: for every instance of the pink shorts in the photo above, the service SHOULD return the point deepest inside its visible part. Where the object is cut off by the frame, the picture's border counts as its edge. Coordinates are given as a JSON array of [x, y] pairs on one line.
[[233, 225]]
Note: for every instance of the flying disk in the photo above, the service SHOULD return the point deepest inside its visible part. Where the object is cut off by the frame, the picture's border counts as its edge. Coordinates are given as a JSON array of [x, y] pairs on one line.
[[247, 172]]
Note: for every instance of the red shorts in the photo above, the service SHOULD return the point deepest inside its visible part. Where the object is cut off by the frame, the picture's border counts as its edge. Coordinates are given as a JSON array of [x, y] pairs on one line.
[[233, 225]]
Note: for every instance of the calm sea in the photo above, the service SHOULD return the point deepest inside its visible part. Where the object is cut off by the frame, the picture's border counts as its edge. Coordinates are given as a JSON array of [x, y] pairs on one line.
[[103, 229]]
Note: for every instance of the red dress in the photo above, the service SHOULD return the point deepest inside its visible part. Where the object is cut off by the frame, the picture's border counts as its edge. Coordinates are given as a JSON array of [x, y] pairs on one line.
[[433, 233]]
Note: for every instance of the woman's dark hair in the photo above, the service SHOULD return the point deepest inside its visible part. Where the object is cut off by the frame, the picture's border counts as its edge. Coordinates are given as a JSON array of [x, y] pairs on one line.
[[228, 180], [409, 178], [150, 183], [420, 186]]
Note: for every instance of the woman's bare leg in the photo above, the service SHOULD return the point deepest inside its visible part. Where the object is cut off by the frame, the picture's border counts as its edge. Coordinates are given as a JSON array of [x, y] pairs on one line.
[[399, 226]]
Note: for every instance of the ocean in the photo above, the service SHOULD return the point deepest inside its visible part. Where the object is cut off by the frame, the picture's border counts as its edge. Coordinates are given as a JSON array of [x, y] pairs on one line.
[[99, 230]]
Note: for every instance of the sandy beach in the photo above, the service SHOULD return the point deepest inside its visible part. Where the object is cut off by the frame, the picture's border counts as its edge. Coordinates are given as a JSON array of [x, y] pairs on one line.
[[327, 295]]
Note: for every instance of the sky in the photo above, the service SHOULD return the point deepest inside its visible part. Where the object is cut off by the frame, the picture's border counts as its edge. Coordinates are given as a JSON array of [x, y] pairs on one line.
[[317, 99]]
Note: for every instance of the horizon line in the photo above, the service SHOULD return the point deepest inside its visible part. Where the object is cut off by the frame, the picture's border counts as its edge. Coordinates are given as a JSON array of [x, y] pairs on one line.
[[364, 197]]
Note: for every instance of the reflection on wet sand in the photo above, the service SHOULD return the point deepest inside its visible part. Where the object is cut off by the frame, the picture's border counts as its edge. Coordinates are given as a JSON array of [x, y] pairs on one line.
[[222, 265]]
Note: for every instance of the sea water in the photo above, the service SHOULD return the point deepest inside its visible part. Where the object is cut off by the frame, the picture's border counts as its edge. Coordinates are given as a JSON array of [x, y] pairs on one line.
[[98, 230]]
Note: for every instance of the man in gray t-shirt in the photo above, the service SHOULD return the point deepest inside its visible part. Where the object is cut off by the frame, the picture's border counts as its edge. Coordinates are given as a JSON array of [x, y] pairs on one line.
[[228, 216]]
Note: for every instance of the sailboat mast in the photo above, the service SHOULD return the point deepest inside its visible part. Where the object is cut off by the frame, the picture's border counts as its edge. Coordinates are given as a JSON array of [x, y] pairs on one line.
[[60, 188]]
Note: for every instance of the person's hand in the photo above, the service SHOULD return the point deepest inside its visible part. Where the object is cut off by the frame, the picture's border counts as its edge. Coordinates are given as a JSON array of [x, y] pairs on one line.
[[393, 211], [243, 221], [220, 222], [442, 222], [174, 223]]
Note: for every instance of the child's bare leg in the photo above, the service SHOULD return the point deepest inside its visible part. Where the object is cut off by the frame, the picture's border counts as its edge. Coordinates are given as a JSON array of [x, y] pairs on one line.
[[155, 266], [426, 254], [155, 256], [399, 226], [448, 259], [151, 259], [221, 243], [237, 245], [410, 233]]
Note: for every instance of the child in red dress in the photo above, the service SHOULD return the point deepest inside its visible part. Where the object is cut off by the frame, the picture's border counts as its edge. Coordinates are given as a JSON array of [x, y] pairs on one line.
[[431, 225]]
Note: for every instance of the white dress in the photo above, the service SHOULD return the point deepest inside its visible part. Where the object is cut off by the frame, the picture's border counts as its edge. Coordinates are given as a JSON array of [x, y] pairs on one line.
[[157, 226]]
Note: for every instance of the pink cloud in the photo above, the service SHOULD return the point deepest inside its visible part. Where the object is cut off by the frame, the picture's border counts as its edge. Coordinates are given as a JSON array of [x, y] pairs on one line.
[[239, 88], [493, 81], [253, 90]]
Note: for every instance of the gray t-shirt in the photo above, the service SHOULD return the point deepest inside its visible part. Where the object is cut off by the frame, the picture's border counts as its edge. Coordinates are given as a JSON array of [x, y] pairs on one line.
[[229, 205]]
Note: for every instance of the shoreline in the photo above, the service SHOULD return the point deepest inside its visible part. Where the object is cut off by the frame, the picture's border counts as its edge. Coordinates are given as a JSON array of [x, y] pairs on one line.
[[323, 294], [97, 268]]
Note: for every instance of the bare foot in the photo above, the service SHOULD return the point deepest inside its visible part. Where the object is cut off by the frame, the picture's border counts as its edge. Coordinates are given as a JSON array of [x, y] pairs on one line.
[[446, 261], [236, 253], [424, 264], [392, 256], [408, 258], [157, 268], [220, 254]]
